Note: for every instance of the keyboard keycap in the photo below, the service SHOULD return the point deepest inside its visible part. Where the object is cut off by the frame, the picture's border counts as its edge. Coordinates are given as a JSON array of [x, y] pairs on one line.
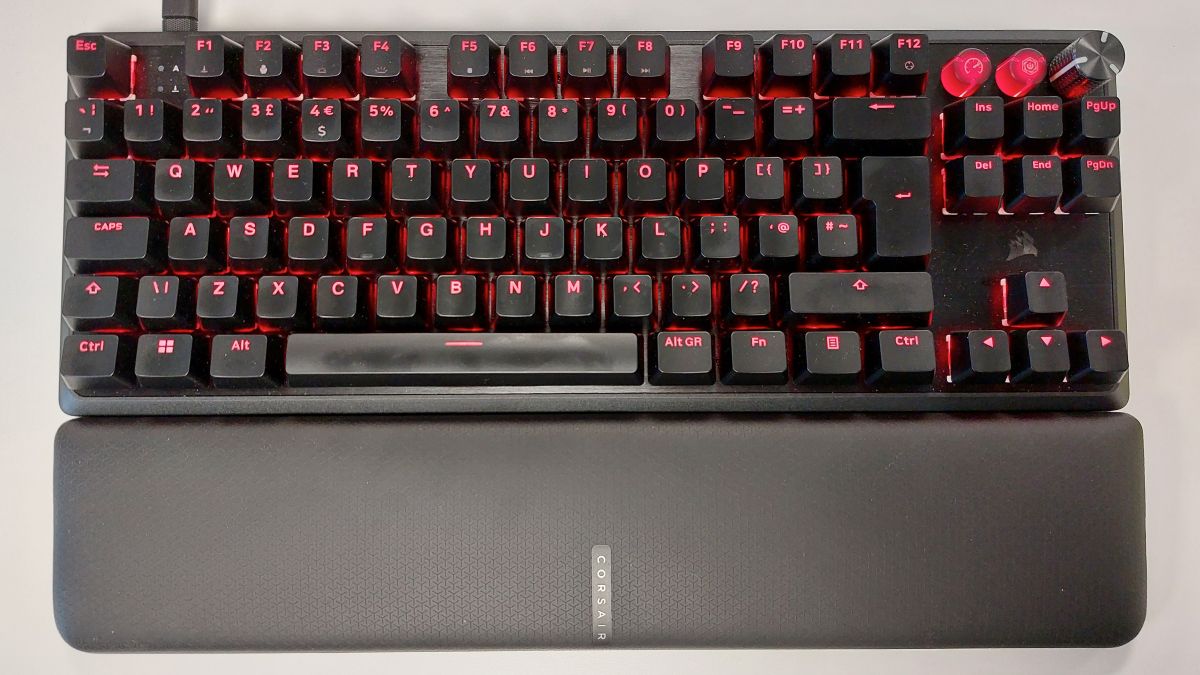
[[574, 301], [255, 244], [732, 127], [531, 67], [1091, 184], [901, 297], [844, 64], [631, 300], [168, 361], [1035, 124], [616, 127], [384, 128], [153, 128], [400, 302], [829, 358], [340, 303], [866, 126], [1035, 299], [646, 66], [243, 361], [756, 357], [211, 128], [195, 245], [975, 184], [683, 358], [586, 72], [1040, 357], [973, 125], [1033, 184], [901, 358], [98, 66], [271, 65], [1098, 356], [166, 302], [517, 301], [268, 128], [240, 186], [328, 66], [95, 245], [790, 125], [94, 129], [183, 187], [213, 65], [472, 65], [113, 187], [222, 302], [690, 300], [728, 66], [979, 357], [896, 198], [749, 298], [834, 241], [92, 303], [500, 129], [787, 65], [388, 67], [458, 300], [283, 302], [1092, 125], [96, 362], [901, 64]]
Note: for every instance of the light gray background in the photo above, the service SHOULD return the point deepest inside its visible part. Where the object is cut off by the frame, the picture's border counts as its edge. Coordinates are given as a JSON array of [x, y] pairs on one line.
[[1160, 157]]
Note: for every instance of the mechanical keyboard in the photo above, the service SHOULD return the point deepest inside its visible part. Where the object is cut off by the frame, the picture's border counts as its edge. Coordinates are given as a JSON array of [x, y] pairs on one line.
[[422, 221]]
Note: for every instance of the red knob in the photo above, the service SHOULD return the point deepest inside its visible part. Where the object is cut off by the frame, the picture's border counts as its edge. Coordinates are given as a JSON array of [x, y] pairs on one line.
[[1021, 72], [964, 74]]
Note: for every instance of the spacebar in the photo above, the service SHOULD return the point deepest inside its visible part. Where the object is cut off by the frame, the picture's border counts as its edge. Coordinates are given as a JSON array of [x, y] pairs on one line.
[[432, 359]]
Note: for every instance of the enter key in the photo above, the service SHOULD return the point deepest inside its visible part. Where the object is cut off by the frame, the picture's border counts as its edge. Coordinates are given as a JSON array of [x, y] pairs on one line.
[[895, 200]]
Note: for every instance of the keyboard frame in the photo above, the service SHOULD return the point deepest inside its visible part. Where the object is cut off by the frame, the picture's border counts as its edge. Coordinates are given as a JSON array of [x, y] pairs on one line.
[[685, 78]]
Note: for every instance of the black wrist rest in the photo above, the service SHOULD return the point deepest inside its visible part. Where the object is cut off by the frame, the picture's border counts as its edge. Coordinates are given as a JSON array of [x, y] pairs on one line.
[[344, 533]]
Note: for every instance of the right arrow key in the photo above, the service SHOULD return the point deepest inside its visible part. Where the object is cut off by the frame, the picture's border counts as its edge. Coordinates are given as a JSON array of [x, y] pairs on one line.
[[1098, 356]]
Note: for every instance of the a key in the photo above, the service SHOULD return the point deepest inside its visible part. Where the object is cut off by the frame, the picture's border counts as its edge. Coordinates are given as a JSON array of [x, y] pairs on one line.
[[1035, 124], [866, 297], [457, 300], [517, 301], [413, 186], [1091, 184], [472, 186], [674, 127], [240, 186], [326, 128], [631, 299], [271, 65], [789, 125], [574, 301], [901, 64], [98, 66], [857, 127], [356, 187], [96, 362], [829, 358], [645, 66], [661, 241], [388, 67], [268, 128], [95, 128], [1098, 356], [328, 65], [756, 357], [91, 303], [368, 244], [312, 245], [545, 243], [442, 129], [531, 67], [486, 245], [682, 358], [255, 244], [761, 185], [168, 361], [720, 242], [776, 242], [587, 190], [183, 187], [211, 128], [1091, 125], [427, 246], [340, 303], [558, 126], [1035, 299], [979, 357], [895, 194], [165, 302], [787, 65], [901, 358], [531, 186], [727, 66], [213, 65], [834, 241], [195, 245], [973, 125], [152, 128], [975, 184], [603, 243], [222, 302], [704, 185], [472, 67], [399, 302], [690, 299], [283, 303], [822, 184], [616, 132], [1033, 184], [646, 185], [843, 64], [749, 298], [109, 187], [1040, 357], [731, 127], [586, 72], [385, 128], [298, 186], [243, 361], [500, 129]]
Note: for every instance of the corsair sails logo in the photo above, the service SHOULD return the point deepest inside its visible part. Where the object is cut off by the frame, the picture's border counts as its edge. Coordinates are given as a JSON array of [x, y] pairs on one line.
[[1021, 245], [601, 583]]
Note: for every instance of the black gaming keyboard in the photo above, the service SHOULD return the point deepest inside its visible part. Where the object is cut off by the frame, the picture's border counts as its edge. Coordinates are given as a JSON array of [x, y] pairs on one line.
[[775, 220]]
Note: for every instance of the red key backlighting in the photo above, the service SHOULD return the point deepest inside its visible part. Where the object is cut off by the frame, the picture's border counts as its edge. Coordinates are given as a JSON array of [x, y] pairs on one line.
[[1021, 72], [964, 74]]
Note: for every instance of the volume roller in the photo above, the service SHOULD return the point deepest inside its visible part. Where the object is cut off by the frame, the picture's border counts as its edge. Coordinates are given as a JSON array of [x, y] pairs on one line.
[[1086, 64]]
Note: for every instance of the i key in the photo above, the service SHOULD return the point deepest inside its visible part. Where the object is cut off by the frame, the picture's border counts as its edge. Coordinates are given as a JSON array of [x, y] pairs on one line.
[[646, 69], [328, 66], [587, 187], [531, 61], [152, 128], [586, 74], [471, 67], [213, 64], [844, 64], [388, 65], [272, 65], [94, 128], [728, 66]]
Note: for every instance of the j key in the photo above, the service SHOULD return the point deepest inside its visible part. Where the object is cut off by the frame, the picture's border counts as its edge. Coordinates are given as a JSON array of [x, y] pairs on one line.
[[728, 66], [268, 127], [152, 128], [243, 361], [165, 302], [720, 241], [341, 302], [168, 361], [646, 66], [749, 298], [457, 300], [905, 297], [472, 186], [486, 243], [517, 300], [272, 66], [829, 358], [690, 299], [384, 130], [585, 70], [558, 128], [901, 357], [298, 186], [500, 132], [531, 186], [787, 65], [326, 128], [443, 127], [896, 195], [661, 240], [1035, 124], [866, 126], [222, 302], [1091, 184], [388, 65], [255, 244], [211, 128], [427, 246], [108, 187], [789, 125], [973, 125], [1033, 184], [213, 65], [901, 64], [472, 64], [399, 302], [98, 66], [975, 184], [531, 67], [240, 186], [646, 185], [413, 182], [312, 245], [682, 358], [1091, 125], [574, 301], [183, 187], [368, 244], [1035, 299], [195, 245], [756, 357], [835, 240], [777, 242], [357, 186], [98, 303], [731, 126], [282, 302], [546, 244], [438, 359], [822, 184], [704, 185], [328, 66], [95, 362], [587, 187], [979, 357], [761, 184], [603, 242], [844, 64], [1098, 356], [616, 127], [1040, 356], [95, 128], [631, 300]]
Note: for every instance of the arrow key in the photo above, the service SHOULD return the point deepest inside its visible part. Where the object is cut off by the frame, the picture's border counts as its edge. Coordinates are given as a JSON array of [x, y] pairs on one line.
[[1040, 356], [1035, 299], [1098, 356], [979, 357]]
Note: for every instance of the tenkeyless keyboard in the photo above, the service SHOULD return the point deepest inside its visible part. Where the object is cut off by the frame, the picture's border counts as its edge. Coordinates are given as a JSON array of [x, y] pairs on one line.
[[376, 222]]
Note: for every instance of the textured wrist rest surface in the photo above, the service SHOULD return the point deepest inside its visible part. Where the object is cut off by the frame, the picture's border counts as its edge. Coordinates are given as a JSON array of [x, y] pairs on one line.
[[467, 532]]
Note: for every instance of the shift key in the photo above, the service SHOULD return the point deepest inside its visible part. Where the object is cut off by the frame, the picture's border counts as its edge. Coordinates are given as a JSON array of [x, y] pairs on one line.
[[870, 298]]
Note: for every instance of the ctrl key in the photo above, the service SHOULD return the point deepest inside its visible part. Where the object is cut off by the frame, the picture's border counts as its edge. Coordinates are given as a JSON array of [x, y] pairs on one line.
[[95, 362], [901, 357], [683, 357]]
